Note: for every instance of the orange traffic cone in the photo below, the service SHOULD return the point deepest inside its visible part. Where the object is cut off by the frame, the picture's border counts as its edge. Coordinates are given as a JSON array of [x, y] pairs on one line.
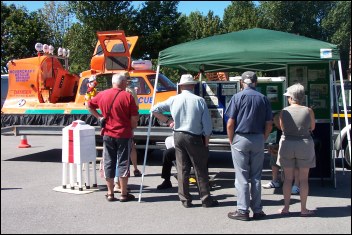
[[24, 143]]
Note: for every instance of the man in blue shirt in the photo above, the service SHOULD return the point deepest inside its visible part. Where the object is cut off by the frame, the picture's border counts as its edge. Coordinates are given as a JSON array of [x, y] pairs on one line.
[[192, 129], [248, 126]]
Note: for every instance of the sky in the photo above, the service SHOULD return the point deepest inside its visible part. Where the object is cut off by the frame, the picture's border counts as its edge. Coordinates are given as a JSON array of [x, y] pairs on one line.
[[184, 7]]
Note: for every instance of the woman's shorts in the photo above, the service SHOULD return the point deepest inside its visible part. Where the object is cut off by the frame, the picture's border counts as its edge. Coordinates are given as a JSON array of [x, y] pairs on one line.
[[296, 153]]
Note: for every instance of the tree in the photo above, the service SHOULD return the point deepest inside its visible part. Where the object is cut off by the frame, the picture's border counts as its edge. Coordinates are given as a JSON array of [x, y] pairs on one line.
[[298, 17], [104, 15], [337, 25], [200, 26], [20, 32], [240, 15], [59, 19], [159, 26], [79, 40]]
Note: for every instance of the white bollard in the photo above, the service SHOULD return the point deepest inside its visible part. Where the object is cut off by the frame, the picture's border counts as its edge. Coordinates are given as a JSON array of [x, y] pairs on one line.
[[78, 147]]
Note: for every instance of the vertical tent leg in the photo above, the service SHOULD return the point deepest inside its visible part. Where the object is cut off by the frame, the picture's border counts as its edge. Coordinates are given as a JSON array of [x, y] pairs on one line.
[[148, 134]]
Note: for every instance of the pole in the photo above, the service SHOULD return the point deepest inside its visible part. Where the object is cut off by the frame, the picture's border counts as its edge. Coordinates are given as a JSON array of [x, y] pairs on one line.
[[148, 135]]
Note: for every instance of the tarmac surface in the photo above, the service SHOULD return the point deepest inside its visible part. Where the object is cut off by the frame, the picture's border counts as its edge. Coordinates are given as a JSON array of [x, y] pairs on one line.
[[29, 205]]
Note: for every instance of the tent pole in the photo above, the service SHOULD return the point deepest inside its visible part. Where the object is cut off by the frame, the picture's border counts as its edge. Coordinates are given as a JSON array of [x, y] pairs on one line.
[[201, 71], [332, 99], [148, 134], [344, 107], [338, 112]]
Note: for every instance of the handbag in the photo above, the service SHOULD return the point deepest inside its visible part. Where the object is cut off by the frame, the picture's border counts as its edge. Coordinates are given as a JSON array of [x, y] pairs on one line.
[[102, 122]]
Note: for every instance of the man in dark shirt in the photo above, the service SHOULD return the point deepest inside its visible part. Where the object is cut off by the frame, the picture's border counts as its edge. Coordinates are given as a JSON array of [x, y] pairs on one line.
[[248, 126]]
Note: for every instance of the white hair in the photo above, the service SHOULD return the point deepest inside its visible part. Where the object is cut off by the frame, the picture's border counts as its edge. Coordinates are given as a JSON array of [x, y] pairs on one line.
[[117, 78], [296, 92]]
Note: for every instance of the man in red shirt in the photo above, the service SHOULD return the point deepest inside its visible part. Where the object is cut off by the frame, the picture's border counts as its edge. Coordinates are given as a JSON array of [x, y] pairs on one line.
[[120, 112]]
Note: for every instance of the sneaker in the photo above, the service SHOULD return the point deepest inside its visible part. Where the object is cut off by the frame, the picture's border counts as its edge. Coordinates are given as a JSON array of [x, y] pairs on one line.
[[271, 184], [238, 216], [164, 185], [258, 216], [295, 189]]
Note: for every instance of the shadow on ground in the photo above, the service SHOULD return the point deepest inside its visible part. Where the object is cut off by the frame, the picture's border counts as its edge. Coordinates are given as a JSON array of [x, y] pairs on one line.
[[52, 155]]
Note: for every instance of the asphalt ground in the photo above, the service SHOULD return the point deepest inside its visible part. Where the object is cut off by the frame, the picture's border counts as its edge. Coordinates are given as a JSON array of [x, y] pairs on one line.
[[29, 205]]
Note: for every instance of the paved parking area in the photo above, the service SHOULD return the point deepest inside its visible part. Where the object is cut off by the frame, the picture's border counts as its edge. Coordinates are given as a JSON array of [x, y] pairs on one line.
[[30, 205]]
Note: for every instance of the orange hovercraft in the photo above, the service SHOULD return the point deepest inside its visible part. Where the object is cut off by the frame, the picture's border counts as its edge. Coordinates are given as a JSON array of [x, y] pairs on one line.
[[41, 90]]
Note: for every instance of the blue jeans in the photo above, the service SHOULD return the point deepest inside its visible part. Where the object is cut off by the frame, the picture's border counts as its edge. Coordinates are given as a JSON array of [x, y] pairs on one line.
[[248, 157]]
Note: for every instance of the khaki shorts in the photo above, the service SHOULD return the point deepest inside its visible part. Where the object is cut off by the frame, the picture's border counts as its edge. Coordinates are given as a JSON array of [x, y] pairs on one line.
[[296, 153]]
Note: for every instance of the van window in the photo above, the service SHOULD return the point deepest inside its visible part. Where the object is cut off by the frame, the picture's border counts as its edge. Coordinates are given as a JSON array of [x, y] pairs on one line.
[[164, 84], [139, 85]]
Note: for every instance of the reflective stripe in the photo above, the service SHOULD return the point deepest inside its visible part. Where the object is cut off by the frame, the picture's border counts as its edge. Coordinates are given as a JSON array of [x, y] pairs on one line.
[[341, 115]]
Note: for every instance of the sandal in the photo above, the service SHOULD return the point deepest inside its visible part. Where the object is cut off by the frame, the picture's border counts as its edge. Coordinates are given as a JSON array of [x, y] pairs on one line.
[[308, 213], [282, 212], [137, 173], [110, 197], [126, 198]]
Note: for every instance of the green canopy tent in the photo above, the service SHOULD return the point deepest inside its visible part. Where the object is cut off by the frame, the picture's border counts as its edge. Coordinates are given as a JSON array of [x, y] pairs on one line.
[[253, 49]]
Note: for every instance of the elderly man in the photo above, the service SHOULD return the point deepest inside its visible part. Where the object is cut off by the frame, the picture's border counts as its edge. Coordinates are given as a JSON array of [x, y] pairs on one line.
[[120, 112], [192, 129], [248, 126]]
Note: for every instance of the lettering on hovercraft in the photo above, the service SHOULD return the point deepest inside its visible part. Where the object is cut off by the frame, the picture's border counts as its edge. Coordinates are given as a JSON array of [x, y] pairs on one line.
[[23, 93], [145, 100], [22, 75]]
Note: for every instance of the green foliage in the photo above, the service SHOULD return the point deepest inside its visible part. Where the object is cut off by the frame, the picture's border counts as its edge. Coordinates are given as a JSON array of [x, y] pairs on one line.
[[200, 26], [240, 15], [104, 15], [159, 26], [59, 19], [298, 17], [20, 31], [81, 41], [337, 25]]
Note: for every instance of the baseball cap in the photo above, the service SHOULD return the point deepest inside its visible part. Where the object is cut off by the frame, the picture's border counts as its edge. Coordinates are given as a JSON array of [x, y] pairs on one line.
[[249, 77]]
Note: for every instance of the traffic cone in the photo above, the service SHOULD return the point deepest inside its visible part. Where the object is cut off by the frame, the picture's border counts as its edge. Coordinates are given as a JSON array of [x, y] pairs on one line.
[[24, 143]]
